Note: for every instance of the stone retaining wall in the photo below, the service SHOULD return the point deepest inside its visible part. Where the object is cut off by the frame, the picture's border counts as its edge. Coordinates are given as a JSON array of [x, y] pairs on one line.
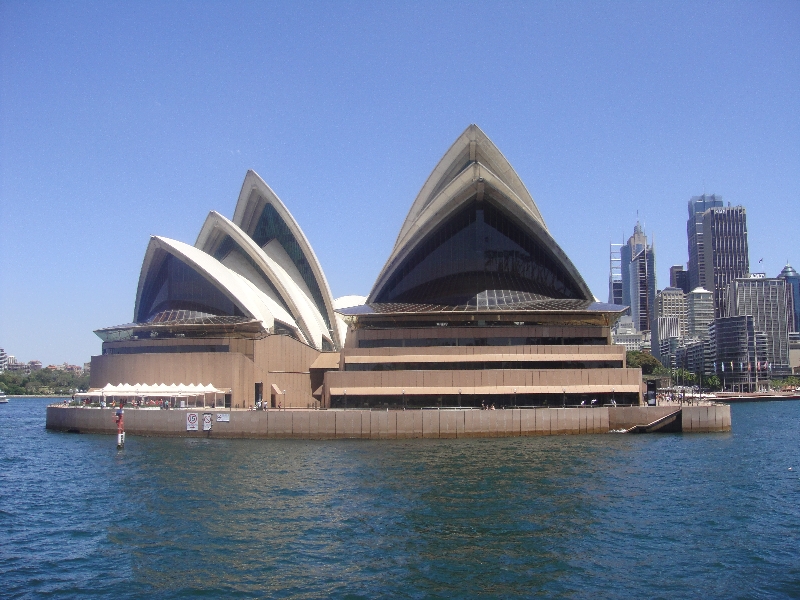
[[394, 424]]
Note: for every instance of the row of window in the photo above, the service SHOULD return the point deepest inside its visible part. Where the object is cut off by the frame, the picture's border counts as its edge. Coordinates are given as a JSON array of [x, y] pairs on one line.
[[484, 365], [167, 349], [482, 341], [498, 401]]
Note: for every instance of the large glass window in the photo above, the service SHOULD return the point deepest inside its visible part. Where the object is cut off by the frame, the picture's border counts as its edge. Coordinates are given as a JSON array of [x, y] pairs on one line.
[[479, 256], [228, 247], [171, 284], [271, 226]]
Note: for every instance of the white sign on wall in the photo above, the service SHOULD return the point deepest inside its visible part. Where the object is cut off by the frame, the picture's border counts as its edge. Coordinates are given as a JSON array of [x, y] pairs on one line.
[[191, 421], [223, 417], [206, 421]]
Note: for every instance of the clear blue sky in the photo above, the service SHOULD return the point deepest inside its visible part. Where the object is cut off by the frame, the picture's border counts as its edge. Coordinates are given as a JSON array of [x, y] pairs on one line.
[[119, 120]]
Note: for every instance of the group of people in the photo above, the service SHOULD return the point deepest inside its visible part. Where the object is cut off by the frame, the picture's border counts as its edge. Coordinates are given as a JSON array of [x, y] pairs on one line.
[[260, 405]]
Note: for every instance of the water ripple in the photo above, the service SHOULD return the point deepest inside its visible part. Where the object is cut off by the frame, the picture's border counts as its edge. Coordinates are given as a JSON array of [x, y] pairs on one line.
[[598, 516]]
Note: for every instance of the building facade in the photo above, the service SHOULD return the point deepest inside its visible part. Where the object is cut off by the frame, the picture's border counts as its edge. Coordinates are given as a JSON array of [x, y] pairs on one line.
[[738, 353], [639, 278], [699, 313], [792, 279], [679, 278], [725, 253], [698, 205], [765, 300]]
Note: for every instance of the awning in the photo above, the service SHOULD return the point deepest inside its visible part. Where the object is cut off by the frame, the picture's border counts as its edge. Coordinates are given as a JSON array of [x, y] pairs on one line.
[[152, 390]]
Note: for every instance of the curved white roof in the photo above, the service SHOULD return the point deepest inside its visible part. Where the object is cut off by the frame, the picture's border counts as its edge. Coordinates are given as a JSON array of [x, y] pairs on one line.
[[472, 146], [254, 195], [243, 293], [440, 199], [296, 299]]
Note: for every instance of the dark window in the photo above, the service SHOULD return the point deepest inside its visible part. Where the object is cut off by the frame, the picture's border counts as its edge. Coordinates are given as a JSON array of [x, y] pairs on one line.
[[484, 365], [271, 226], [167, 349], [480, 341], [173, 285], [229, 246], [479, 256]]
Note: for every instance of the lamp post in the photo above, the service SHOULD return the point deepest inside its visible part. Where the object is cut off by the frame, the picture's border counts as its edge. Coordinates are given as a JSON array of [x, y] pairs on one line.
[[459, 397], [404, 399], [515, 397], [564, 397], [345, 399]]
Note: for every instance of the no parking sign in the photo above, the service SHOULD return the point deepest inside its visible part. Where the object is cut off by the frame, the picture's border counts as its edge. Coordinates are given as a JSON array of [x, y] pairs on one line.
[[191, 421], [206, 421]]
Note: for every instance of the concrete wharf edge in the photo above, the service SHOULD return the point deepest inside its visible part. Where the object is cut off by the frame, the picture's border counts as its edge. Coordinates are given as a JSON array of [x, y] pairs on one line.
[[382, 424]]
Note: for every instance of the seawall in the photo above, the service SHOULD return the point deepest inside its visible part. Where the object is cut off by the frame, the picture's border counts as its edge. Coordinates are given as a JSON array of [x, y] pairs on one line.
[[382, 424]]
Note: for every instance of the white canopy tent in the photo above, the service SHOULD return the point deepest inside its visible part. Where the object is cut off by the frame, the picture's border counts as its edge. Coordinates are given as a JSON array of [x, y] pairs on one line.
[[155, 390]]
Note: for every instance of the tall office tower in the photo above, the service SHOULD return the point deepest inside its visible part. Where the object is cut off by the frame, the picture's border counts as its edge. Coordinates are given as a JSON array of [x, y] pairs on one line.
[[694, 233], [793, 284], [615, 274], [639, 278], [699, 313], [725, 256], [3, 360], [764, 299], [679, 278]]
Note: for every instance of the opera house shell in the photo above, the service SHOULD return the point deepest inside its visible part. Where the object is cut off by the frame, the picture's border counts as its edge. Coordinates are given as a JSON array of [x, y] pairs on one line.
[[476, 305]]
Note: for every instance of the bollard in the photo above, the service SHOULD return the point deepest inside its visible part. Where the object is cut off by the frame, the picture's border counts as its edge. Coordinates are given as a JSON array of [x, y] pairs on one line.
[[120, 429]]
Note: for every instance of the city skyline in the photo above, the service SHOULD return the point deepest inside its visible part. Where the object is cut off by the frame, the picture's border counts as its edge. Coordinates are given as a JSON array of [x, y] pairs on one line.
[[606, 111]]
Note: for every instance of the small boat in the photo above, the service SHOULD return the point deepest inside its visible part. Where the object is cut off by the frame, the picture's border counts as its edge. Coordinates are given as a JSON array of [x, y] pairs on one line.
[[3, 398]]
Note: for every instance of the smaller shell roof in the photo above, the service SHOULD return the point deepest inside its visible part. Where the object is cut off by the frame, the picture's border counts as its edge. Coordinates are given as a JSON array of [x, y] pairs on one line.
[[250, 300]]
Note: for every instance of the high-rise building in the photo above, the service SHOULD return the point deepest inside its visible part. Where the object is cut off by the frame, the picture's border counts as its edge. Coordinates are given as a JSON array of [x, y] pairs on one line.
[[615, 274], [639, 278], [694, 233], [3, 360], [679, 278], [793, 283], [765, 299], [699, 313], [725, 255]]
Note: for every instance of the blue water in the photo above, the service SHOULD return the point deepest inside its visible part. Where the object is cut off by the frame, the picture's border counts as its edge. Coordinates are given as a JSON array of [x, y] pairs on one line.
[[594, 516]]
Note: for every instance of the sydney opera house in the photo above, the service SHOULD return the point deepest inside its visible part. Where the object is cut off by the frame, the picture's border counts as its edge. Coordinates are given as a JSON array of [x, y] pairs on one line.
[[476, 305]]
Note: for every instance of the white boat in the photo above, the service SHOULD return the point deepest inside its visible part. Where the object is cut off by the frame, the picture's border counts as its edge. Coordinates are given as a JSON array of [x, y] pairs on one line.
[[3, 398]]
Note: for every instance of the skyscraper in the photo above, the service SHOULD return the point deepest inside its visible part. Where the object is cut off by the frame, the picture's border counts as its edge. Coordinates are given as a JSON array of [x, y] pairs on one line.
[[764, 299], [639, 278], [725, 255], [694, 233], [793, 283]]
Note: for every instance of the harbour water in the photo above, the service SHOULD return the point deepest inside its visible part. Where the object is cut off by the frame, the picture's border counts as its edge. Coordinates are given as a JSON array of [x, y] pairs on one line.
[[601, 516]]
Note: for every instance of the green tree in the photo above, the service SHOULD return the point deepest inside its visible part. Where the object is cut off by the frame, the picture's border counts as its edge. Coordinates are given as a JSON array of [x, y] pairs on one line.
[[649, 364]]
